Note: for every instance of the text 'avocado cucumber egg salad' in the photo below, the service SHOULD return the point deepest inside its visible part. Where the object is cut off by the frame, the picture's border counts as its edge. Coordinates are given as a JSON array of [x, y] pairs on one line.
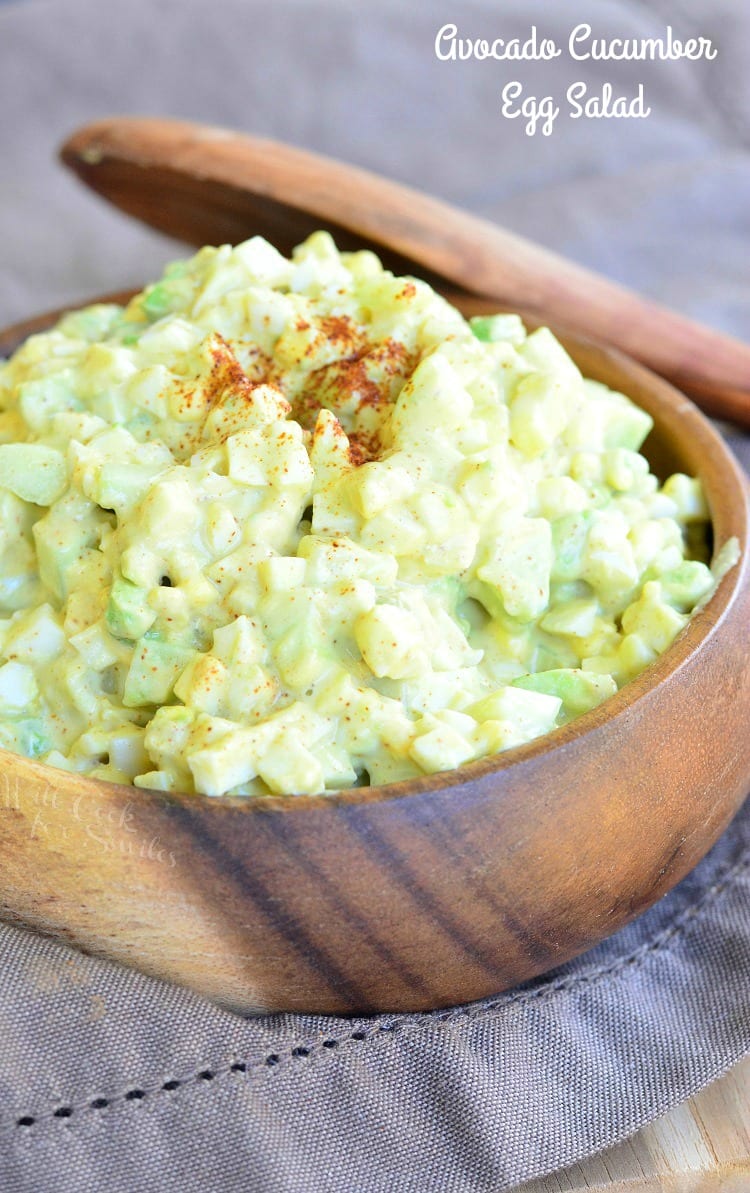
[[289, 526]]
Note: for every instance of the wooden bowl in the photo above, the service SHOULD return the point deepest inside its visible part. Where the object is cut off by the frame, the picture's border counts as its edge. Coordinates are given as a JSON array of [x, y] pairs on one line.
[[428, 892]]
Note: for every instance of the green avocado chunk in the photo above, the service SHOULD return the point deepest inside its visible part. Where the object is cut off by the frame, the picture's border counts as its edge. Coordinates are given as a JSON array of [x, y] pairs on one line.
[[578, 690], [128, 613]]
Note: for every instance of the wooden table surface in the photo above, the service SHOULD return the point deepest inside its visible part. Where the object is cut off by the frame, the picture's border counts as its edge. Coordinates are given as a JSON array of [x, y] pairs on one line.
[[702, 1146]]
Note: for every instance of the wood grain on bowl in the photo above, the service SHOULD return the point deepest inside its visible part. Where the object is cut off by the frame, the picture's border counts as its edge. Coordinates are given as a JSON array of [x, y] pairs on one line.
[[432, 891]]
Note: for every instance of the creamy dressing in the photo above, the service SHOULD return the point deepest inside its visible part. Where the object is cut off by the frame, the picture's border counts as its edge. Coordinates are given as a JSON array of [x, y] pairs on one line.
[[287, 526]]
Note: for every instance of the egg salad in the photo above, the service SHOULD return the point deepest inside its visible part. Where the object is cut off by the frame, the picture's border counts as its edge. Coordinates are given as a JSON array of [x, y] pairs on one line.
[[294, 525]]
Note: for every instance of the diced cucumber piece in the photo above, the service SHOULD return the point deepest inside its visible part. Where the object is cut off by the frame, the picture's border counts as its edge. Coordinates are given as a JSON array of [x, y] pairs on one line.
[[33, 472], [578, 690], [62, 536], [686, 585], [154, 671]]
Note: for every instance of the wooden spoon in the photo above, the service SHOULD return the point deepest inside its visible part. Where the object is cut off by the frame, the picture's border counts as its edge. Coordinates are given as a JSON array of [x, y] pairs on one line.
[[207, 185]]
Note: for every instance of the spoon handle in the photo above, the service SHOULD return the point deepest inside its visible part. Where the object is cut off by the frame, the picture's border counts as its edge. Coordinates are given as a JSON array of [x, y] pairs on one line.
[[208, 185]]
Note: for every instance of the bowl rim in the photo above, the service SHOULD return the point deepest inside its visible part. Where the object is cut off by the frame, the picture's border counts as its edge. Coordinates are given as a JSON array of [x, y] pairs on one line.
[[729, 519]]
